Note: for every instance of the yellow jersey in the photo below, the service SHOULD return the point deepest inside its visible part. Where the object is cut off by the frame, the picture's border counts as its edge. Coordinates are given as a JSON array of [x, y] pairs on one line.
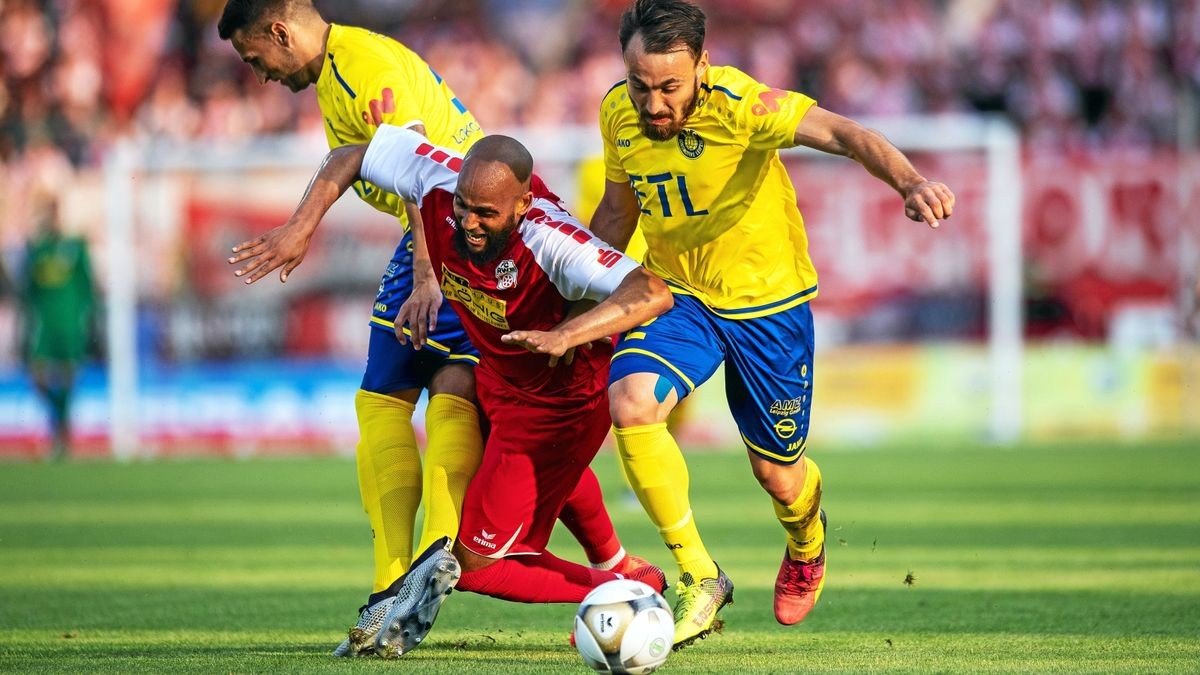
[[369, 79], [717, 207]]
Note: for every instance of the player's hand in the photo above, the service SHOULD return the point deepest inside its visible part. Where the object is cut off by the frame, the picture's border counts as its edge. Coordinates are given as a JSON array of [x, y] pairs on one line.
[[284, 246], [929, 201], [419, 313], [542, 342]]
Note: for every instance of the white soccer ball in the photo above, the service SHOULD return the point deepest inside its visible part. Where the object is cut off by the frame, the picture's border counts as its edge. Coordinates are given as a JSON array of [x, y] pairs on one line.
[[623, 626]]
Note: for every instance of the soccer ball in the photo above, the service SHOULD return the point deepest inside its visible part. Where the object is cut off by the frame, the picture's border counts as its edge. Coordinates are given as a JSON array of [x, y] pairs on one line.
[[623, 626]]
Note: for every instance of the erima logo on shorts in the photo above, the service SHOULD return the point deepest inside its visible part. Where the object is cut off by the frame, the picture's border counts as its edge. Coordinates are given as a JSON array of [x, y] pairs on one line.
[[483, 541]]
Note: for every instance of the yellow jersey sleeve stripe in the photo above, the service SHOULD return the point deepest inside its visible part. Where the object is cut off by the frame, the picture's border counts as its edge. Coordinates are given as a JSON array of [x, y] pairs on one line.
[[690, 385], [774, 455]]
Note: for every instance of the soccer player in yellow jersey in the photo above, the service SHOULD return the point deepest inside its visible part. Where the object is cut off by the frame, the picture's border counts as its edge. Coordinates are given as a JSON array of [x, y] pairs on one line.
[[362, 80], [691, 155]]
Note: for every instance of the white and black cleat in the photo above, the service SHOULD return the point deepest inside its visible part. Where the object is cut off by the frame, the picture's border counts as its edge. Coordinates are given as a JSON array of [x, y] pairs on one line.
[[360, 640], [422, 591]]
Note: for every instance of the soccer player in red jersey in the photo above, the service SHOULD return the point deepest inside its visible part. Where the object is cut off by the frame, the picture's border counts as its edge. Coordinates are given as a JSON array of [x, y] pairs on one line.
[[512, 262]]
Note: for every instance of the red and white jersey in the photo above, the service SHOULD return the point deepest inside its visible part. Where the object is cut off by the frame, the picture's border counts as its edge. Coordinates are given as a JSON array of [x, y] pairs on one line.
[[549, 261]]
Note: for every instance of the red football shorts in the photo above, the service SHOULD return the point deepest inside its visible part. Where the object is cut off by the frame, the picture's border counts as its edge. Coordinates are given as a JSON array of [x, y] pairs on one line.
[[532, 460]]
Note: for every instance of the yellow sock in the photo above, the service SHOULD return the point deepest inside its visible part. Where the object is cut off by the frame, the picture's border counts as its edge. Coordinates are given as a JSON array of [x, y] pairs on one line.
[[452, 455], [389, 479], [659, 476], [802, 518]]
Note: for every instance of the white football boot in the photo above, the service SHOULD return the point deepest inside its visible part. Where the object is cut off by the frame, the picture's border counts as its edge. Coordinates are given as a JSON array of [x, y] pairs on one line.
[[423, 589]]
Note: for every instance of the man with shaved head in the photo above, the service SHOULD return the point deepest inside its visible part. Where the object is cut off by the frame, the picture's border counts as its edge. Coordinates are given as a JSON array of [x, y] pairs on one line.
[[512, 262], [363, 80]]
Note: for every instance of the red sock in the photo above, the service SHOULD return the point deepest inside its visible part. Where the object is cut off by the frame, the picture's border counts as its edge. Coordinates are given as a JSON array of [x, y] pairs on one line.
[[585, 516], [534, 578]]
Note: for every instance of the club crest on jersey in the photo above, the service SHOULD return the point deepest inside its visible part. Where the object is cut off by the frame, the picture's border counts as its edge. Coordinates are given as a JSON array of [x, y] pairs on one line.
[[690, 144], [506, 274]]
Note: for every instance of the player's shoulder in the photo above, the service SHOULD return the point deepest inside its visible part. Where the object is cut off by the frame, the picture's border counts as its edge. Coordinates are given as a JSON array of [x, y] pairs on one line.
[[726, 87], [360, 53], [616, 104]]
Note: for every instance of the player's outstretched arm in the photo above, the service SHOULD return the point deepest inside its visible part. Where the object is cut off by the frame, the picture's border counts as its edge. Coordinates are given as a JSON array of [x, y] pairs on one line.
[[924, 200], [286, 245], [617, 215], [639, 297]]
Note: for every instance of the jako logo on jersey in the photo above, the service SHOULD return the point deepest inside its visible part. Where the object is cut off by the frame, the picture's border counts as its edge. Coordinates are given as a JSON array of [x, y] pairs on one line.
[[690, 144], [623, 143], [786, 428], [506, 274]]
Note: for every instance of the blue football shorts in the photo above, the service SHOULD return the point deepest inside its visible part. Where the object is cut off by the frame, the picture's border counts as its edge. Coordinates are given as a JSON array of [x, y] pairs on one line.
[[392, 366], [768, 367]]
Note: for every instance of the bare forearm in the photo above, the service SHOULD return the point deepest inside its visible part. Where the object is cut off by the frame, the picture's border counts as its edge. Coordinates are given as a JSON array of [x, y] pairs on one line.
[[640, 297], [337, 173], [617, 215], [879, 157], [422, 264]]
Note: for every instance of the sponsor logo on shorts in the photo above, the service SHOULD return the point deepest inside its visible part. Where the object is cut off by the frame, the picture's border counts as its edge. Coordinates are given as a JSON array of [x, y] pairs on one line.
[[787, 408], [506, 274], [786, 428], [484, 540]]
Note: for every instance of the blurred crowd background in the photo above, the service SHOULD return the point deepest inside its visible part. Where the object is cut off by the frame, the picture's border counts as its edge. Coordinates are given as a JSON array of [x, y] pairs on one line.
[[1071, 73]]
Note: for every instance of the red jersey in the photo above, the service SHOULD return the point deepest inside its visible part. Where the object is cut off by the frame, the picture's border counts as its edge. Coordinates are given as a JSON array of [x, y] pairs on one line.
[[550, 260]]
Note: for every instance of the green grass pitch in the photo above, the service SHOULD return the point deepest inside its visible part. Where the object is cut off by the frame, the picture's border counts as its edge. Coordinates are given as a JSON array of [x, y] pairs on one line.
[[1039, 558]]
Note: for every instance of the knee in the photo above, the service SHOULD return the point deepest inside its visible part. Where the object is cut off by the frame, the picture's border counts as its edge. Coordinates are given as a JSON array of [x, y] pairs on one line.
[[632, 402], [782, 482]]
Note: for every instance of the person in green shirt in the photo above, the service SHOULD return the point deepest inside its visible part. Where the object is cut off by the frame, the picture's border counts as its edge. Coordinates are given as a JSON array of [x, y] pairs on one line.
[[57, 302]]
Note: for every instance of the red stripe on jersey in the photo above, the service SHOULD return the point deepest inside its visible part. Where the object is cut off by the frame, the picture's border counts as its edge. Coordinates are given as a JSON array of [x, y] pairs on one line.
[[439, 157], [582, 236], [455, 164], [424, 149]]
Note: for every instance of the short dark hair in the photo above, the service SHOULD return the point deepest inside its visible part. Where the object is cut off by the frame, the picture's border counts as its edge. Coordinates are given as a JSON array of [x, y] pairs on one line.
[[241, 14], [664, 25]]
